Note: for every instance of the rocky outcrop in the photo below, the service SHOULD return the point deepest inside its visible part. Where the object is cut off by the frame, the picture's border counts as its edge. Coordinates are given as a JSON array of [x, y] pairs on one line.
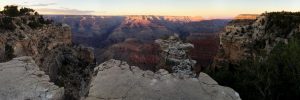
[[50, 45], [26, 40], [174, 53], [21, 79], [259, 55], [71, 68], [117, 80], [255, 38]]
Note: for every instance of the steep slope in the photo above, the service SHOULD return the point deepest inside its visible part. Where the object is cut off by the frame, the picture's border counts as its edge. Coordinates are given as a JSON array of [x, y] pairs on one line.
[[50, 45], [29, 40], [117, 80], [246, 40], [259, 57]]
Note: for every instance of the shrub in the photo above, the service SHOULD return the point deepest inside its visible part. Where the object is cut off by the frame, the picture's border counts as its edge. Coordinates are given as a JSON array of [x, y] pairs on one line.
[[26, 11], [9, 52], [34, 24], [11, 11], [282, 23], [6, 23], [43, 21]]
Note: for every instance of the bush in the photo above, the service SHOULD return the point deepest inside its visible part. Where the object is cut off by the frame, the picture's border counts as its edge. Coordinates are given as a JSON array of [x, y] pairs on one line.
[[26, 11], [34, 24], [9, 52], [43, 21], [282, 23], [7, 24], [11, 11]]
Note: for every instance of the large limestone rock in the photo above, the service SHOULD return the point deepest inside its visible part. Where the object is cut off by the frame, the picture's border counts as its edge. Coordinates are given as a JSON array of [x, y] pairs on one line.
[[21, 79], [117, 80]]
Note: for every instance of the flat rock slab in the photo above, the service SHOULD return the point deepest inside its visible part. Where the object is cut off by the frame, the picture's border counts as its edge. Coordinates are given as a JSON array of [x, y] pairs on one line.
[[117, 80], [21, 79]]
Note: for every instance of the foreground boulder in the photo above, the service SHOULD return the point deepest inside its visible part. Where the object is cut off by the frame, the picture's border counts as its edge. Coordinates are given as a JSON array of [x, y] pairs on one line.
[[117, 80], [21, 79]]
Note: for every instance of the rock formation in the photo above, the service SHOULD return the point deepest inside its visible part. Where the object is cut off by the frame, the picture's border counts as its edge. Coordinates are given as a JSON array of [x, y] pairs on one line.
[[70, 67], [259, 57], [245, 39], [21, 79], [25, 40], [174, 53], [50, 45], [117, 80]]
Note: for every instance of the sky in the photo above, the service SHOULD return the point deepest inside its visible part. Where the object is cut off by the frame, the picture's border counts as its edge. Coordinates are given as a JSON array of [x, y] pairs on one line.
[[204, 8]]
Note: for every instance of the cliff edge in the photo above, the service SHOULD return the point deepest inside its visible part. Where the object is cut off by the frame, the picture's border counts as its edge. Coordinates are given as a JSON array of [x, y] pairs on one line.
[[117, 80], [27, 82]]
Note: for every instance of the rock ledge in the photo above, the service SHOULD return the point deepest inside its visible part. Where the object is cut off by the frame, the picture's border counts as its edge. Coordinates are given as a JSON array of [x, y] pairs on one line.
[[117, 80], [21, 79]]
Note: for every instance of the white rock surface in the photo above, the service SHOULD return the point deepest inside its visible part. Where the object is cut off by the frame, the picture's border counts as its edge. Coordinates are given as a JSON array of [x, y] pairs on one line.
[[118, 80], [21, 79]]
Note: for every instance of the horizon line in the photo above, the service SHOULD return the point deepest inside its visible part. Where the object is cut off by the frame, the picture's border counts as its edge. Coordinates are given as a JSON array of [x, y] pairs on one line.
[[204, 18]]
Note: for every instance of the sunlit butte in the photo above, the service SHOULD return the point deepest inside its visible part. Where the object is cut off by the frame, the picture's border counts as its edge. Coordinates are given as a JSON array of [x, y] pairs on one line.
[[205, 8]]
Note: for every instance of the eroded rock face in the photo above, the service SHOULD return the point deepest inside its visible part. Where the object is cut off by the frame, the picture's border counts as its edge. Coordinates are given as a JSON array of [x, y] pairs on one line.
[[246, 38], [117, 80], [70, 67], [27, 41], [21, 79], [174, 53], [51, 47]]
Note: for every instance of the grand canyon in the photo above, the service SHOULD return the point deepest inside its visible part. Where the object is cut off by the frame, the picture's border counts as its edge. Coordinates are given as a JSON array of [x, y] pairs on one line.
[[62, 55], [133, 36]]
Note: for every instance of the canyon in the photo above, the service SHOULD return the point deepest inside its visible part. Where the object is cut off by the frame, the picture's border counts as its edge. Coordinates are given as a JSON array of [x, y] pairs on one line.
[[68, 57], [40, 61], [112, 37]]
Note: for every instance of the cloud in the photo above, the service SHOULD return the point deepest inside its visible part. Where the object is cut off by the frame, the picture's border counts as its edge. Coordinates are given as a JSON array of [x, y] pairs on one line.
[[43, 4], [64, 11]]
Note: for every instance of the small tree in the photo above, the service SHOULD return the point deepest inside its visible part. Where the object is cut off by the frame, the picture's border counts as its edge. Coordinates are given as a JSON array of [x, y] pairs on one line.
[[26, 11], [6, 23], [11, 10]]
